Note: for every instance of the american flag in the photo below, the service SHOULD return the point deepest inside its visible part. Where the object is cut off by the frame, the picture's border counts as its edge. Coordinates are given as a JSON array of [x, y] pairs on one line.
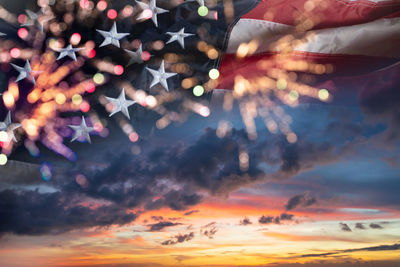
[[250, 47], [339, 37]]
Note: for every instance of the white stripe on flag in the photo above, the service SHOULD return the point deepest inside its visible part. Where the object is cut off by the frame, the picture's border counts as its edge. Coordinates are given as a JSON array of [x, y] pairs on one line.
[[377, 38]]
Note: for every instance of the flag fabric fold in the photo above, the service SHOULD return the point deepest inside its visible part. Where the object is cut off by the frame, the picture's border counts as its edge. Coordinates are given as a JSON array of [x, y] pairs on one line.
[[331, 38]]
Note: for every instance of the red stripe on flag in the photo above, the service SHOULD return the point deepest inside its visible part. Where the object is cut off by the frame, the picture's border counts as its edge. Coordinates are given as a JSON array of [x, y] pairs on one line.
[[329, 13], [252, 66]]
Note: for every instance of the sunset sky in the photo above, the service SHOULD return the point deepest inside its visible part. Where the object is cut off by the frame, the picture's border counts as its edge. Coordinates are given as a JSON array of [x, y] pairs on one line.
[[184, 181], [179, 197]]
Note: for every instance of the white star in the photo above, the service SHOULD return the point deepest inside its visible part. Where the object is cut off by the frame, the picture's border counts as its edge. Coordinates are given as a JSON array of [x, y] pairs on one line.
[[2, 34], [154, 9], [135, 57], [24, 72], [179, 36], [112, 36], [160, 76], [81, 130], [34, 18], [69, 51], [121, 104], [9, 127]]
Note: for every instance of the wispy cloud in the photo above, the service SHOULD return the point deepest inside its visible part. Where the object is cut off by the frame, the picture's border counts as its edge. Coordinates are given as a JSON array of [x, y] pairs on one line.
[[375, 226], [344, 227], [373, 248], [300, 201], [276, 220], [245, 221], [179, 238], [159, 226], [209, 230]]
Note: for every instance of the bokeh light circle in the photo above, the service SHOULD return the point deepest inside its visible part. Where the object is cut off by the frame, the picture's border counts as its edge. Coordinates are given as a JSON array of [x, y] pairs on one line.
[[198, 90], [203, 11], [323, 94], [214, 74], [3, 159]]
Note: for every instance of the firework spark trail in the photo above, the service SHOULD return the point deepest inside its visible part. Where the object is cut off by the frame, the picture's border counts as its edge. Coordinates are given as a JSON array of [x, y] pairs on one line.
[[256, 96], [73, 87]]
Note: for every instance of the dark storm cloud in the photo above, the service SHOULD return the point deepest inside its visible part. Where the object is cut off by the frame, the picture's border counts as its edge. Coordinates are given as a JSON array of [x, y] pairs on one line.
[[375, 226], [304, 155], [180, 238], [300, 201], [374, 248], [344, 227], [165, 174], [276, 220], [23, 173], [176, 200], [212, 164], [374, 192], [245, 221], [380, 100], [33, 213], [156, 227]]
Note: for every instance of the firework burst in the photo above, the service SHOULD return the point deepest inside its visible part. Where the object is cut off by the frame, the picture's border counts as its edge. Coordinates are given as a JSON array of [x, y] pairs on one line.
[[83, 54]]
